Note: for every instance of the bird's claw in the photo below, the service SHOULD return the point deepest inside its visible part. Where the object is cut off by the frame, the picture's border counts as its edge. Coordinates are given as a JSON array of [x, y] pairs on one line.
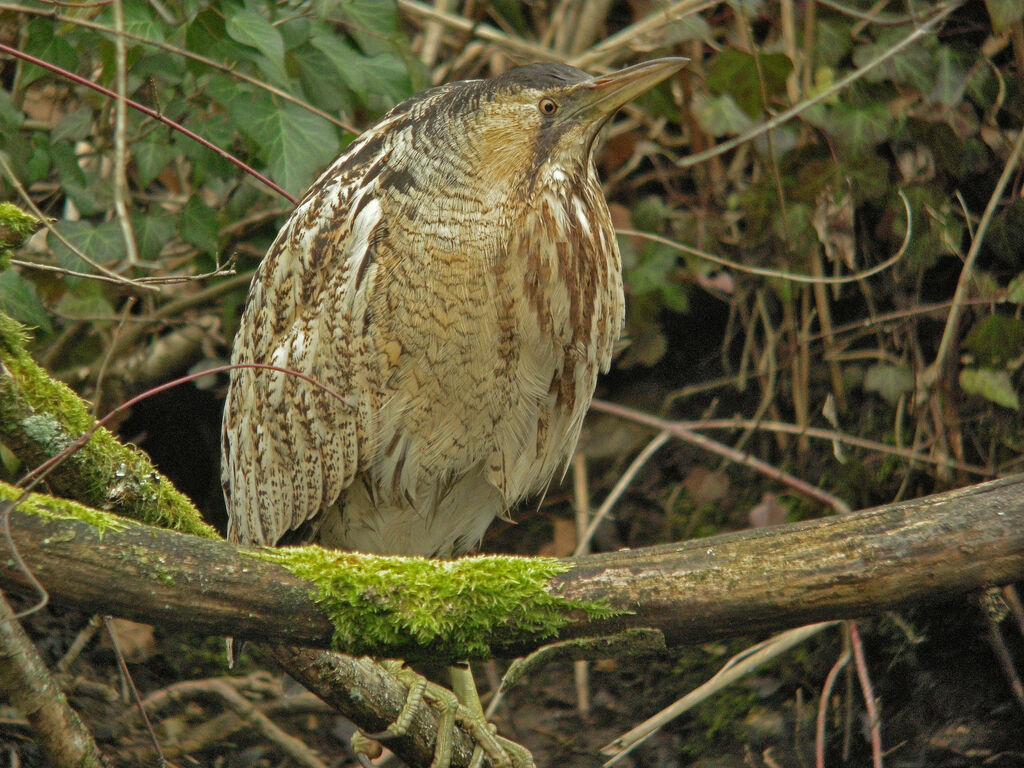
[[502, 752]]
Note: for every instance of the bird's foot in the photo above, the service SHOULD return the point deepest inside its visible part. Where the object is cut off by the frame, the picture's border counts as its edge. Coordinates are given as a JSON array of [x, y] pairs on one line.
[[502, 752]]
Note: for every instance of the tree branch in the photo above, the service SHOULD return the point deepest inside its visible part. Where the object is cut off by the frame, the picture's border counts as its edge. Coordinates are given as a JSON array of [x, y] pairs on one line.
[[866, 562]]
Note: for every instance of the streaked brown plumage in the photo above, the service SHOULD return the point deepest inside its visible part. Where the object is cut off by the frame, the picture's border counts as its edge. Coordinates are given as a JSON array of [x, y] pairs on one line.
[[455, 276]]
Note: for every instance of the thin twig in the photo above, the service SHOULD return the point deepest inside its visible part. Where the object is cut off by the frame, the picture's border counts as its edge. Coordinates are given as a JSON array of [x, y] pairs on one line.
[[712, 446], [843, 82], [581, 508], [126, 677], [952, 329], [81, 641], [874, 720], [184, 53], [826, 694], [25, 679], [646, 34], [121, 138], [151, 113], [738, 666], [106, 274], [98, 389], [785, 428], [765, 272], [482, 31], [620, 488]]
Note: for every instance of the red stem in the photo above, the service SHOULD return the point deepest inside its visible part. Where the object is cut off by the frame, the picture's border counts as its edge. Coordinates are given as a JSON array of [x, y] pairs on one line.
[[152, 113], [30, 480]]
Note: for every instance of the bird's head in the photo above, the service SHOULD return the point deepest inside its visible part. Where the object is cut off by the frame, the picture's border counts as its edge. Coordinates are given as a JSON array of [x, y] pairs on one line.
[[550, 114]]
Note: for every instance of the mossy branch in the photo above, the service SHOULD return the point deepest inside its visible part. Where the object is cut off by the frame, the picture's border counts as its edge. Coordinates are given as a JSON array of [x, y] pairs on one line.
[[40, 417], [910, 553]]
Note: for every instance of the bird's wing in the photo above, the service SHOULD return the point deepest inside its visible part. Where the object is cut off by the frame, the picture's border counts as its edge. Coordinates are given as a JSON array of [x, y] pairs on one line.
[[290, 447]]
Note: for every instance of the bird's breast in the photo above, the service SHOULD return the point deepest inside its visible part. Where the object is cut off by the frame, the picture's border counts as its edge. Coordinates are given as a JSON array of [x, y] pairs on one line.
[[490, 353]]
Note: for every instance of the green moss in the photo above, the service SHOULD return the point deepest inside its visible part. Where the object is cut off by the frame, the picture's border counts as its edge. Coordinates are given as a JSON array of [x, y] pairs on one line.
[[40, 417], [53, 508], [16, 226], [419, 608]]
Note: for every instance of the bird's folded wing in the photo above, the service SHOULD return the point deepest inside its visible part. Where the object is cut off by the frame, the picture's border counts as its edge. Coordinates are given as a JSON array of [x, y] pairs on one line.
[[292, 444]]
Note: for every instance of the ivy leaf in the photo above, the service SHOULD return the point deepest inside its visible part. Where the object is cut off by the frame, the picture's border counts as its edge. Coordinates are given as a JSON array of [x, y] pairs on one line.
[[379, 82], [995, 339], [103, 244], [1015, 290], [950, 78], [139, 19], [44, 44], [151, 235], [86, 301], [735, 73], [858, 129], [151, 156], [889, 381], [251, 28], [1004, 14], [912, 66], [18, 299], [991, 384], [74, 126], [294, 143], [10, 114], [720, 115], [198, 225], [374, 24]]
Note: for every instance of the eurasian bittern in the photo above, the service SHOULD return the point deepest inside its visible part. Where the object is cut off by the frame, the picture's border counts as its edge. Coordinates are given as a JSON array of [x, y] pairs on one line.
[[455, 276]]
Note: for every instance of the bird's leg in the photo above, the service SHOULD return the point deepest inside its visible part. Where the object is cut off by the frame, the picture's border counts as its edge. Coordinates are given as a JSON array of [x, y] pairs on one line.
[[464, 687], [502, 752]]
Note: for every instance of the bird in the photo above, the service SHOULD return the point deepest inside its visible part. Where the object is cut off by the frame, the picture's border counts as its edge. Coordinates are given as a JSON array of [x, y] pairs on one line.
[[453, 285]]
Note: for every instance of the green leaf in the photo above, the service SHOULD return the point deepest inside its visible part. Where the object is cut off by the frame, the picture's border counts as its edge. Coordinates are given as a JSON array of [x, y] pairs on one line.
[[251, 28], [140, 19], [950, 78], [649, 213], [912, 66], [993, 385], [204, 35], [889, 381], [152, 232], [379, 82], [719, 115], [44, 44], [198, 225], [295, 144], [1015, 290], [831, 42], [74, 127], [995, 339], [857, 129], [735, 73], [103, 244], [86, 301], [151, 156], [1004, 14], [374, 24], [39, 161], [18, 299], [10, 114], [320, 80]]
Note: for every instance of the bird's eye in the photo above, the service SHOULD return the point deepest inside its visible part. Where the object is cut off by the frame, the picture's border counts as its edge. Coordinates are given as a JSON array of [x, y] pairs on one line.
[[547, 106]]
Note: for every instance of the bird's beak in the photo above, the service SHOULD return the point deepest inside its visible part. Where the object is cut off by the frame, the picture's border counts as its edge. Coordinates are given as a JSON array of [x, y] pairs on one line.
[[595, 100]]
